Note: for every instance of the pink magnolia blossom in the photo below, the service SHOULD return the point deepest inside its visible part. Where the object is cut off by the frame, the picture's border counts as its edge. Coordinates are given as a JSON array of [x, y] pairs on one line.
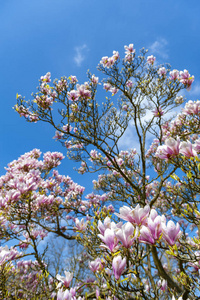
[[81, 225], [107, 86], [73, 95], [192, 107], [58, 135], [187, 149], [152, 231], [115, 55], [67, 127], [162, 284], [158, 112], [151, 59], [129, 83], [171, 148], [130, 51], [104, 61], [46, 78], [94, 155], [197, 145], [65, 295], [65, 280], [7, 254], [162, 72], [127, 234], [108, 224], [174, 74], [136, 216], [110, 239], [186, 79], [113, 90], [118, 266], [73, 79], [108, 62], [171, 232], [83, 92], [103, 226], [94, 79], [95, 265]]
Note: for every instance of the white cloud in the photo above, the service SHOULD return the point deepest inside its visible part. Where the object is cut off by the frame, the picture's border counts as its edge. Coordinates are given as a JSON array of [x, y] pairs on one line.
[[159, 48], [79, 56]]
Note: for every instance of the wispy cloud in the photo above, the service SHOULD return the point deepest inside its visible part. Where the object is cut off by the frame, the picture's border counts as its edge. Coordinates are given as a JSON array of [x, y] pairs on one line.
[[159, 47], [80, 52]]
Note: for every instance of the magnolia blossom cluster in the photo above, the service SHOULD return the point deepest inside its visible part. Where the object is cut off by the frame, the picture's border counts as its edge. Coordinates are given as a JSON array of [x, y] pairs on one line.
[[108, 62], [182, 76], [192, 108], [173, 147], [143, 225], [129, 53], [7, 254], [23, 111], [110, 88], [151, 59], [24, 180], [82, 92], [25, 274], [186, 122]]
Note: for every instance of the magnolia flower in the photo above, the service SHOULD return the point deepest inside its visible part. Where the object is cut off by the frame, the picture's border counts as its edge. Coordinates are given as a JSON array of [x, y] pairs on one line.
[[66, 295], [162, 284], [171, 232], [73, 95], [162, 72], [158, 112], [171, 148], [118, 266], [95, 265], [192, 108], [136, 216], [186, 79], [126, 234], [174, 74], [151, 59], [65, 280], [152, 231], [107, 224], [187, 149], [110, 239], [81, 225]]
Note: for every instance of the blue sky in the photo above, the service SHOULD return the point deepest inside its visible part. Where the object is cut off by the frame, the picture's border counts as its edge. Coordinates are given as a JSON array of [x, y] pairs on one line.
[[68, 38]]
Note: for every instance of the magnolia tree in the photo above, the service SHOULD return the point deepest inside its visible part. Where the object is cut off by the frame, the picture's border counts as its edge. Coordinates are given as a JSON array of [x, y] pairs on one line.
[[139, 228]]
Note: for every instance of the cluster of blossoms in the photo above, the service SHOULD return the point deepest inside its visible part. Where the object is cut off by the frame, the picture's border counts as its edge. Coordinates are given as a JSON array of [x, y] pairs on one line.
[[186, 123], [110, 88], [129, 53], [183, 76], [27, 274], [143, 224], [108, 62], [173, 147], [24, 179], [151, 59], [82, 92]]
